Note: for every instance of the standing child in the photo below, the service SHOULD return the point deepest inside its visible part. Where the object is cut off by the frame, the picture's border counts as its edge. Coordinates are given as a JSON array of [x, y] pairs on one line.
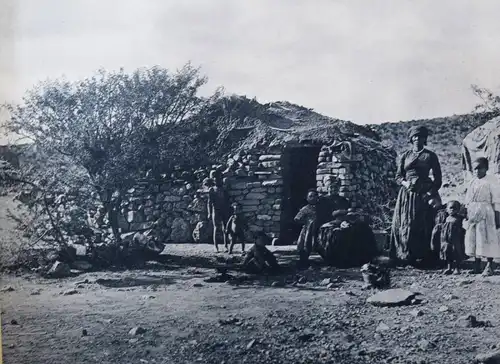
[[217, 208], [452, 239], [236, 228], [482, 202], [439, 220], [308, 218]]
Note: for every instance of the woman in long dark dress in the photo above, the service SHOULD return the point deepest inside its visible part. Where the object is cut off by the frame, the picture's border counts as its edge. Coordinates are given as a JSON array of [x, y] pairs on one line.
[[413, 219]]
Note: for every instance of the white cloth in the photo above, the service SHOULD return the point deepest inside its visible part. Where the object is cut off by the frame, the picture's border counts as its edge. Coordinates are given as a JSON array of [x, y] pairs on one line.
[[482, 199]]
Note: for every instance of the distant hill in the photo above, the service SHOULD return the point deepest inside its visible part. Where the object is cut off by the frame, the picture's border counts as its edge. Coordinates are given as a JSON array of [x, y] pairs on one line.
[[445, 139]]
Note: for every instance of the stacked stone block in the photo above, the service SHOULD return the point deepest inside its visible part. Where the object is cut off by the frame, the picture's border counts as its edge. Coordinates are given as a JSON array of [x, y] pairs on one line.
[[256, 185], [366, 177]]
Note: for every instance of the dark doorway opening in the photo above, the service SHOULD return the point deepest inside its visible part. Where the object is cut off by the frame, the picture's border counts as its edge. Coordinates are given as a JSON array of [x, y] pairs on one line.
[[299, 175]]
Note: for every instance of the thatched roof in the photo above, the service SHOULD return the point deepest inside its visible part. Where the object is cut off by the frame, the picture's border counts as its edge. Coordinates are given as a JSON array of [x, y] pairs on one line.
[[283, 124]]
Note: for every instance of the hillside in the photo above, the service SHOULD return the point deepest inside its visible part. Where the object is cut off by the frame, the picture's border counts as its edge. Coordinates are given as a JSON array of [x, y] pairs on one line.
[[445, 139]]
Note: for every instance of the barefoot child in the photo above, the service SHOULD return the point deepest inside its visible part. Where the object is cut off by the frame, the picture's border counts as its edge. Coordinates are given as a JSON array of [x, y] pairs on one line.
[[452, 239], [482, 202], [259, 258], [236, 228], [308, 218], [217, 208], [439, 220]]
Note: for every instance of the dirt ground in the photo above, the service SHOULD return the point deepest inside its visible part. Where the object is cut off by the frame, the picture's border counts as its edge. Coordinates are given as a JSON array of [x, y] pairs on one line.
[[269, 320]]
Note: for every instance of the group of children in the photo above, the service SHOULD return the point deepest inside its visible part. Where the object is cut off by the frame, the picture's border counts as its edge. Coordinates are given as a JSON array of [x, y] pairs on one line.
[[234, 229], [454, 243], [480, 239]]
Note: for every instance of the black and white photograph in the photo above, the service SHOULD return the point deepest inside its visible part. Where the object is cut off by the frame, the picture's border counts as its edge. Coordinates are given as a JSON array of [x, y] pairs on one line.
[[249, 181]]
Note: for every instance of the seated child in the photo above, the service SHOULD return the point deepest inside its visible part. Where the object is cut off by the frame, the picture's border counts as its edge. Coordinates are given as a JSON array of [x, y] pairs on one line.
[[259, 258], [236, 228], [453, 239]]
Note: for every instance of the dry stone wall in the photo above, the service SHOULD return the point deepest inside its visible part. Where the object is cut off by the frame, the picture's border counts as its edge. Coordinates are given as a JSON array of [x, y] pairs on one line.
[[173, 207], [364, 177], [256, 185], [254, 180]]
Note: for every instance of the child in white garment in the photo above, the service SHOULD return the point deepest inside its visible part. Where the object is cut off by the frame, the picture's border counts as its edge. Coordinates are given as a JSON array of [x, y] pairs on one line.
[[482, 202]]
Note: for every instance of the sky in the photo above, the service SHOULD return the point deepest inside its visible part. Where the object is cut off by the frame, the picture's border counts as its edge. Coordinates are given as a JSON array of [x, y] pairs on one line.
[[358, 60]]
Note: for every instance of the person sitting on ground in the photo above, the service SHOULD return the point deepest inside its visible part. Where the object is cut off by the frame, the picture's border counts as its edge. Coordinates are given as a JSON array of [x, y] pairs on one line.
[[453, 239], [236, 228], [260, 259]]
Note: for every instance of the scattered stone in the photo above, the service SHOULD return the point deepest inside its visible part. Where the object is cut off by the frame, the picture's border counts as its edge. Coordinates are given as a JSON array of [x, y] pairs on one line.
[[326, 282], [250, 344], [450, 297], [416, 313], [331, 285], [148, 297], [465, 282], [137, 331], [489, 358], [70, 292], [84, 332], [14, 322], [302, 280], [133, 341], [8, 289], [349, 338], [305, 337], [59, 270], [391, 297], [382, 327], [444, 309], [86, 281], [375, 276], [197, 285], [471, 321], [277, 284], [219, 278], [425, 345], [417, 301], [231, 321], [81, 265], [36, 292]]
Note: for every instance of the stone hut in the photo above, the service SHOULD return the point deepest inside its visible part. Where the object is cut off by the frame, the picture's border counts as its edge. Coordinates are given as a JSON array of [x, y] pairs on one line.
[[272, 170], [278, 157]]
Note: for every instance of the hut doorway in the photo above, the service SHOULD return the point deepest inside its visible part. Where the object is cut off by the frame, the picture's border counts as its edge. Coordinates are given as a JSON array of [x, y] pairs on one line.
[[299, 175]]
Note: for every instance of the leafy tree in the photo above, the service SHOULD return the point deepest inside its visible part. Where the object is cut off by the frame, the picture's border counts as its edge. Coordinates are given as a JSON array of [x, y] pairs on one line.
[[98, 136], [490, 103]]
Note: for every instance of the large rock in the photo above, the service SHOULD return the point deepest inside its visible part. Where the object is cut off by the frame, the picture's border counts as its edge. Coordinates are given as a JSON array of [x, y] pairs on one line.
[[392, 297], [81, 265], [489, 358], [181, 233], [59, 270]]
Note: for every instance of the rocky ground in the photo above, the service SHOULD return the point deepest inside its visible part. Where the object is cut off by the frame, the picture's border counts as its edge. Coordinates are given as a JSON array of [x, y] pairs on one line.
[[171, 314]]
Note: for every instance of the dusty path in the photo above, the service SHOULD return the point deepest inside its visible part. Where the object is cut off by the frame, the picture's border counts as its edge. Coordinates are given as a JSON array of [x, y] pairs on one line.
[[188, 320]]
